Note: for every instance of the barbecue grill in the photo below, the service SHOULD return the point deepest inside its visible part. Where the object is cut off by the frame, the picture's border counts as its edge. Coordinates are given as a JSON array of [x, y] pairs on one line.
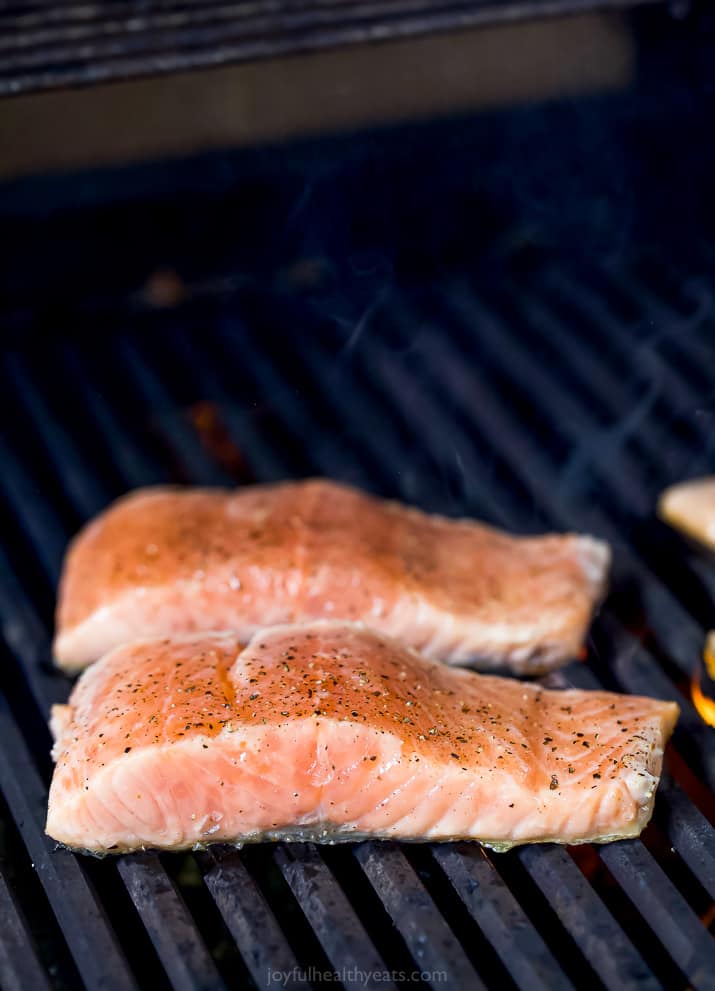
[[389, 310], [46, 45]]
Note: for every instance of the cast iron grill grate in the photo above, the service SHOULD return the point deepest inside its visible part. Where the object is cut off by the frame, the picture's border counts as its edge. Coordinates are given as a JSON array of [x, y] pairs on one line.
[[464, 400], [46, 45]]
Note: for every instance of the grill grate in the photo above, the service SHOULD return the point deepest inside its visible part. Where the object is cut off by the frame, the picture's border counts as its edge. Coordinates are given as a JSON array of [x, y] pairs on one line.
[[461, 398], [44, 46]]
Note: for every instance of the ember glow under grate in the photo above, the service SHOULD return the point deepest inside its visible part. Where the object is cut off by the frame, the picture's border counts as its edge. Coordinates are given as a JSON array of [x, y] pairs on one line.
[[459, 398]]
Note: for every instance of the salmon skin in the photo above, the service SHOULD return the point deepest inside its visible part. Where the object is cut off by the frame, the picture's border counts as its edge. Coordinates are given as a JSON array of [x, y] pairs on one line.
[[164, 561], [329, 731]]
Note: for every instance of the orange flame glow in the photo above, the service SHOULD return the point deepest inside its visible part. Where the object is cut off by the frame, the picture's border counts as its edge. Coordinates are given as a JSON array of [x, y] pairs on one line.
[[702, 702]]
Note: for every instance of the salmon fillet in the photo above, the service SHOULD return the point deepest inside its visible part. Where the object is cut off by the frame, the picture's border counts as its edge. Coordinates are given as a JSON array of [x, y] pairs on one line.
[[164, 561], [690, 507], [329, 731]]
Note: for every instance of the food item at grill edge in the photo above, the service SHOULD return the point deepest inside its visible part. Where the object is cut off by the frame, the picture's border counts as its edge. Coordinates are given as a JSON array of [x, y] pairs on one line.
[[328, 731], [164, 561], [690, 507]]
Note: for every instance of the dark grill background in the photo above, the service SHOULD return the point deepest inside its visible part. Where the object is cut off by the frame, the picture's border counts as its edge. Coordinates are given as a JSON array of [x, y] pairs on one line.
[[509, 317]]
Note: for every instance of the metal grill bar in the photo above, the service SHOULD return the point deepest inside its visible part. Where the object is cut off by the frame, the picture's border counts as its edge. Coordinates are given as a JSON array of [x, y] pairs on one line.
[[195, 459], [168, 924], [532, 464], [130, 460], [250, 920], [85, 492], [602, 955], [499, 915], [19, 965], [146, 881], [663, 907], [341, 934], [695, 929], [643, 861], [75, 45], [590, 923], [89, 937], [334, 943], [427, 935], [613, 950], [383, 401], [186, 960]]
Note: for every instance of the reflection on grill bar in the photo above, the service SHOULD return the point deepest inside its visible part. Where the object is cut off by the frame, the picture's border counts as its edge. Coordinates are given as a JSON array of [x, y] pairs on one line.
[[74, 44], [437, 399]]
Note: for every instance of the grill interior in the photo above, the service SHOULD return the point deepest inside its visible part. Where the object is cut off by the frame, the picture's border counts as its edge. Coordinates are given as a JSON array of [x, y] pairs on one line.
[[46, 44], [449, 396], [413, 312]]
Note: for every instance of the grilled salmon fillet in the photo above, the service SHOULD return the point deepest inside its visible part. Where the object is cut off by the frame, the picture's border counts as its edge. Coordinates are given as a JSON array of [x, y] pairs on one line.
[[164, 561], [329, 731], [690, 507]]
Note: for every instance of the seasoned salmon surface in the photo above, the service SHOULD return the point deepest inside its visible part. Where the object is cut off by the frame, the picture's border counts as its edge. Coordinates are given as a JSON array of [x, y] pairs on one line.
[[331, 732], [164, 561]]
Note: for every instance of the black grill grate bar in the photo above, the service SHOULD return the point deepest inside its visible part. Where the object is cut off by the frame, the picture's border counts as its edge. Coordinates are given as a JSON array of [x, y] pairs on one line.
[[169, 942], [26, 637], [530, 466], [672, 324], [303, 424], [667, 396], [85, 492], [90, 939], [331, 942], [183, 953], [262, 460], [325, 447], [657, 899], [19, 963], [646, 863], [641, 864], [36, 516], [483, 407], [171, 929], [159, 904], [182, 440], [644, 676], [428, 411], [250, 920], [608, 950], [306, 424], [690, 833], [658, 324], [341, 934], [573, 414], [165, 49], [636, 671], [118, 28], [327, 456], [612, 956], [594, 374], [129, 459], [232, 873], [427, 935], [586, 918], [500, 917]]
